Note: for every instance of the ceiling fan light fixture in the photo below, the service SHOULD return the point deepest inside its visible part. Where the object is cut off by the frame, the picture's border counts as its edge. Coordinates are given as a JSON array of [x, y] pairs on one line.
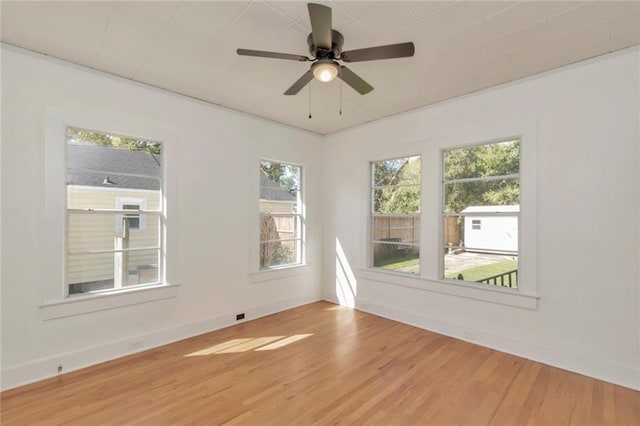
[[325, 71]]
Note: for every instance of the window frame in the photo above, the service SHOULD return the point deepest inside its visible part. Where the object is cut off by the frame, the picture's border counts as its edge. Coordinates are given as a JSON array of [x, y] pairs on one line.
[[526, 295], [54, 303], [444, 213], [299, 221], [371, 241], [119, 213]]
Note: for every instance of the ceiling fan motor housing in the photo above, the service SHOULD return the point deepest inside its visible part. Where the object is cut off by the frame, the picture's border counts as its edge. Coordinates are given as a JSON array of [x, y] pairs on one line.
[[336, 47]]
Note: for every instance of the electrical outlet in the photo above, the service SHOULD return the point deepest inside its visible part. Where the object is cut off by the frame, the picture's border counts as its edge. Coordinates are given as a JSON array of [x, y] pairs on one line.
[[240, 316], [59, 368]]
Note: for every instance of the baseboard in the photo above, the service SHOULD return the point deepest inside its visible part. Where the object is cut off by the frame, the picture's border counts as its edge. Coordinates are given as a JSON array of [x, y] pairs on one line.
[[561, 358], [45, 368]]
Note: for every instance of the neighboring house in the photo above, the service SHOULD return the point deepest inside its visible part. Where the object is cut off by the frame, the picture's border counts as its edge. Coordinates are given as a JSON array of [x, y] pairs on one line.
[[487, 233], [102, 177], [274, 198]]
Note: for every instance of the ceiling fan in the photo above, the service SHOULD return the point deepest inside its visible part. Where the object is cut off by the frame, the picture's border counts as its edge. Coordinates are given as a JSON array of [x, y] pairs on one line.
[[325, 46]]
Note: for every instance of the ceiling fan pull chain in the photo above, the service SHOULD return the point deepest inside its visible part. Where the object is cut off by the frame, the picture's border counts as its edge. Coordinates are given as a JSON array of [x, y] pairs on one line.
[[340, 97], [309, 101]]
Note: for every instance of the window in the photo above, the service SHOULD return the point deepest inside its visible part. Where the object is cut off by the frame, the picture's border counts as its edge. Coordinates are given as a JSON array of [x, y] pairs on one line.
[[281, 215], [395, 214], [134, 220], [108, 176], [481, 209]]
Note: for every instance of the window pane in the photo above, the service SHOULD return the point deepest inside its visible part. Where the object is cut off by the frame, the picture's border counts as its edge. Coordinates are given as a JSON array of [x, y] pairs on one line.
[[481, 243], [86, 273], [396, 243], [396, 193], [112, 172], [281, 231], [398, 257], [400, 199], [277, 253], [397, 171], [496, 159], [93, 272], [487, 253], [279, 182], [471, 196]]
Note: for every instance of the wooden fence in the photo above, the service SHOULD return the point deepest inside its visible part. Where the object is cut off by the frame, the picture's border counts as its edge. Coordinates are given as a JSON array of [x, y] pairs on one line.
[[395, 234]]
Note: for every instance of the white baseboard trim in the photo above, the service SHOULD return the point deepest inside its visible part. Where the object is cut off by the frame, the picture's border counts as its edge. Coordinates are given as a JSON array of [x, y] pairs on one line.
[[44, 368], [565, 359]]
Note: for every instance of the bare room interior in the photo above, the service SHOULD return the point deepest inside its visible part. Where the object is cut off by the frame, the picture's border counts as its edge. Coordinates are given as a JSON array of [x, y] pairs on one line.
[[342, 212]]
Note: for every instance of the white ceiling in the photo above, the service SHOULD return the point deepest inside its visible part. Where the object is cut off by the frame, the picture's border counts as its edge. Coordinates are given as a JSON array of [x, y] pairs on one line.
[[189, 47]]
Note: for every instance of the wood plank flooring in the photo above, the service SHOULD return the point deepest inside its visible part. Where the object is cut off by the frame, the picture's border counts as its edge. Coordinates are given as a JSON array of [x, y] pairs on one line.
[[321, 364]]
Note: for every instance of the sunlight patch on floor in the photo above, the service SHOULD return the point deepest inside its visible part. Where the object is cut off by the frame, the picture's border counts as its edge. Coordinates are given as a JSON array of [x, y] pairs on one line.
[[284, 342], [339, 308], [266, 343]]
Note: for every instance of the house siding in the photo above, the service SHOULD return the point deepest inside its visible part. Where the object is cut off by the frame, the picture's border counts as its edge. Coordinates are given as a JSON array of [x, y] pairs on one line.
[[98, 231]]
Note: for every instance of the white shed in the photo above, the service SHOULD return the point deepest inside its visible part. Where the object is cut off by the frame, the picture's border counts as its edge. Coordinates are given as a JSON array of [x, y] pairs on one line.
[[486, 231]]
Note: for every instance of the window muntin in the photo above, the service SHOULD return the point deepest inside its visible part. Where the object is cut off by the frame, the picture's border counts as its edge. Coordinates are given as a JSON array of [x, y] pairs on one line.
[[281, 215], [107, 177], [481, 209], [395, 214]]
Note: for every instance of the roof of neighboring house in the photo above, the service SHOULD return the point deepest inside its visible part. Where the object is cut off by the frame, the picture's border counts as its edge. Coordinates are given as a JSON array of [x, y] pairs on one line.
[[491, 209], [272, 191], [96, 165]]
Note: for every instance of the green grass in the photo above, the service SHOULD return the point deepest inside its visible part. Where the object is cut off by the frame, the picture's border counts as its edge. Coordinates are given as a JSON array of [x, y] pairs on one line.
[[398, 262], [481, 272], [472, 274]]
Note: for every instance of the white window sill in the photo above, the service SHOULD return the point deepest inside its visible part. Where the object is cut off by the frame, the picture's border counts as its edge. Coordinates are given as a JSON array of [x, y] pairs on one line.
[[486, 293], [279, 273], [82, 304]]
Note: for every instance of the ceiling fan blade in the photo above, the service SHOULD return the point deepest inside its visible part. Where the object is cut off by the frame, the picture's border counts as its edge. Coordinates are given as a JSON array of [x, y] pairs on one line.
[[302, 81], [320, 17], [353, 80], [400, 50], [274, 55]]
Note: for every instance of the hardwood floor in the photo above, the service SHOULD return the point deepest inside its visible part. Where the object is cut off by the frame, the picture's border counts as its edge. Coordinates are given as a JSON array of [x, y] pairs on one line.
[[321, 364]]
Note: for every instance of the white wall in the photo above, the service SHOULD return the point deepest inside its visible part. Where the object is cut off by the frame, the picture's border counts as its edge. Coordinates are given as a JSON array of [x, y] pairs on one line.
[[586, 239], [585, 151], [216, 152]]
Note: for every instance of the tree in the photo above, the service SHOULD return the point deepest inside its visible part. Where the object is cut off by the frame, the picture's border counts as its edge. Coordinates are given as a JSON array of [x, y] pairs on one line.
[[397, 186], [284, 175], [497, 159], [106, 139]]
